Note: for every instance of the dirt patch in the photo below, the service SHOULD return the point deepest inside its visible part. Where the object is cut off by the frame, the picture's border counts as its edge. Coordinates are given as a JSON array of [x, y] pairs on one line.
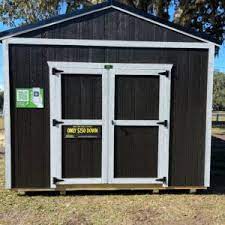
[[77, 220], [144, 216], [198, 219]]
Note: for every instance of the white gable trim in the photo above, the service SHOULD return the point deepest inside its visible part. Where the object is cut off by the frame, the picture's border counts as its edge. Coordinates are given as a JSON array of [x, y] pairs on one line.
[[117, 8], [164, 25]]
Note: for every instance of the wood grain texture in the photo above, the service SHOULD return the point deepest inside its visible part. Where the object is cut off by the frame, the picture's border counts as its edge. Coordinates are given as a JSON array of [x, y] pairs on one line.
[[81, 157], [136, 152], [81, 96], [30, 128], [137, 98], [101, 24]]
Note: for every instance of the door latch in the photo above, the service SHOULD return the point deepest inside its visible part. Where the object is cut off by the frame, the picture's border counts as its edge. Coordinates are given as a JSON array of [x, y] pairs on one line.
[[164, 123], [166, 73], [113, 122], [163, 180], [56, 180], [56, 122], [56, 71], [108, 67]]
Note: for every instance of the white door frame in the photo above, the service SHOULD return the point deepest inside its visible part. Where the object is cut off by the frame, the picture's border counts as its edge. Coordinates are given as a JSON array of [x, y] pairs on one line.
[[55, 113], [108, 89], [164, 114]]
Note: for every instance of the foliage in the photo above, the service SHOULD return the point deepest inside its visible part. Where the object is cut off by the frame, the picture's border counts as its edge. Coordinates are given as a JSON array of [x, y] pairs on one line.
[[219, 91], [201, 15], [17, 12]]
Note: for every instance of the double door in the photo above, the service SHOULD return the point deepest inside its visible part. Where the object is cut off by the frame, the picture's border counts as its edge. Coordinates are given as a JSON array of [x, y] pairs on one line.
[[109, 123]]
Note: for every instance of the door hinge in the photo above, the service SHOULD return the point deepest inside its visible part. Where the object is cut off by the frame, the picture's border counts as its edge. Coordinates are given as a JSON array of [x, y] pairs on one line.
[[163, 180], [164, 123], [56, 180], [108, 67], [56, 122], [56, 71], [166, 73]]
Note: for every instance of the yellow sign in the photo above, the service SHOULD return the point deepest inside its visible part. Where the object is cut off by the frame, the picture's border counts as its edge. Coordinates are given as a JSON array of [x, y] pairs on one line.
[[82, 132]]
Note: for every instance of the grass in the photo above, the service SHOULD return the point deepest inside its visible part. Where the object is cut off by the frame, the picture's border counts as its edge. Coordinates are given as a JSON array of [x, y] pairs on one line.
[[218, 131], [130, 208], [111, 209]]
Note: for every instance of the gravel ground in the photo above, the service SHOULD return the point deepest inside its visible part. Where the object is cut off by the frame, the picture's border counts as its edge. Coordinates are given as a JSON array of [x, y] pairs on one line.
[[130, 208]]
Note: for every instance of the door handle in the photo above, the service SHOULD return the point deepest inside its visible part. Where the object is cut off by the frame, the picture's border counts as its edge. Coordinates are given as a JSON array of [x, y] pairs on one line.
[[56, 122], [113, 122]]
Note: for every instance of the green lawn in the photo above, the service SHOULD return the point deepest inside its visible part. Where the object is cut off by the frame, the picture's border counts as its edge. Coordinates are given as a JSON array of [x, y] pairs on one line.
[[113, 209]]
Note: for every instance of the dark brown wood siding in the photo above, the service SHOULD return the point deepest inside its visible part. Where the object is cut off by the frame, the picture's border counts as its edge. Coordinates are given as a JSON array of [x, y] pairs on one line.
[[137, 97], [84, 91], [81, 157], [110, 24], [136, 152], [30, 128]]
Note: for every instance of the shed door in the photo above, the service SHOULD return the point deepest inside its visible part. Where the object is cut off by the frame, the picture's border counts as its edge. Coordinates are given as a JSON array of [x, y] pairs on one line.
[[109, 123], [78, 123], [139, 124]]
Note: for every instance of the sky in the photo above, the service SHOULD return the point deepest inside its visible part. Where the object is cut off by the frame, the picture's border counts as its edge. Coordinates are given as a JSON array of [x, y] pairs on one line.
[[219, 60]]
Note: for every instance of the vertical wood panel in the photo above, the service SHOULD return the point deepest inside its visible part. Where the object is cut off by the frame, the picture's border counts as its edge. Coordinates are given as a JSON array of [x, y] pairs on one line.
[[137, 98], [136, 152], [189, 86], [117, 26], [81, 96], [81, 158]]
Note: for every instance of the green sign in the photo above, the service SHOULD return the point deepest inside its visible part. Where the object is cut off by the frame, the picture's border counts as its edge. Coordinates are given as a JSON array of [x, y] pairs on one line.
[[29, 98]]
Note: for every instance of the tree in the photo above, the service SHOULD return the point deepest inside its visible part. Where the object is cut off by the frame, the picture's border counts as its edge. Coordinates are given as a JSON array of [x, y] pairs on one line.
[[17, 12], [202, 15], [219, 91]]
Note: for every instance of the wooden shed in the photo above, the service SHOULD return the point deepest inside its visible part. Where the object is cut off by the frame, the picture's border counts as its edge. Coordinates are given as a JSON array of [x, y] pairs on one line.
[[107, 98]]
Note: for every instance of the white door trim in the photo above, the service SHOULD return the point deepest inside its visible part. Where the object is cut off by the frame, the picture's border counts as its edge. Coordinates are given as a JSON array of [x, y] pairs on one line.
[[164, 114], [108, 109]]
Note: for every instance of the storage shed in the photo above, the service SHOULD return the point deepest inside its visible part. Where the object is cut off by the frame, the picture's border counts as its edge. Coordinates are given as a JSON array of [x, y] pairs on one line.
[[107, 98]]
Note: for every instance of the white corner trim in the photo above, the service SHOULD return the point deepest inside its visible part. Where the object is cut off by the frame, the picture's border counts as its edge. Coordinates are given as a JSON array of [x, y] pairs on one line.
[[7, 122], [209, 116], [117, 8], [108, 43]]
